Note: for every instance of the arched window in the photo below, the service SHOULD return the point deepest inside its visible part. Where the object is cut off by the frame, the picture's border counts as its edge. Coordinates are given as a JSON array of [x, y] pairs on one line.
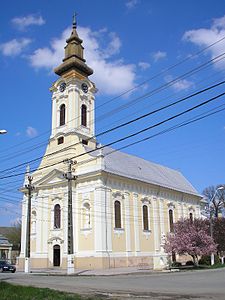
[[84, 115], [145, 217], [57, 216], [86, 215], [62, 116], [171, 219], [191, 217], [117, 206]]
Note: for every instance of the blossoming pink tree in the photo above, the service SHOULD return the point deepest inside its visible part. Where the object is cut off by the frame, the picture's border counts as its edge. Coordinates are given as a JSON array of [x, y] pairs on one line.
[[190, 237]]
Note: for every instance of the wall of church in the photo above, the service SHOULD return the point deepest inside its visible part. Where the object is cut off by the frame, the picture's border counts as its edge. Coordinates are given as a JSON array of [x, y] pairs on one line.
[[101, 240]]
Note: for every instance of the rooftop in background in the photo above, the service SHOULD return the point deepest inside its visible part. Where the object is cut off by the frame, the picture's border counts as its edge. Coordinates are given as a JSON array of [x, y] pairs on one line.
[[4, 241]]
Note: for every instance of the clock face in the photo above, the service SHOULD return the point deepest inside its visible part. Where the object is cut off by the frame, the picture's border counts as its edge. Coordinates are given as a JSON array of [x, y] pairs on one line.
[[84, 87], [62, 87]]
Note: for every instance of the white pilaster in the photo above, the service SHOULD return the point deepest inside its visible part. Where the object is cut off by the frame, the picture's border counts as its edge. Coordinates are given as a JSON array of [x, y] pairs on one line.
[[100, 222], [155, 223], [54, 115], [127, 221], [45, 224], [161, 212], [108, 218], [136, 224]]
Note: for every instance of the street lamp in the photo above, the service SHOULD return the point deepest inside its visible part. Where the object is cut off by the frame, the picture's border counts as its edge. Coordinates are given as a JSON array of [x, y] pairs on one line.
[[3, 131], [211, 223]]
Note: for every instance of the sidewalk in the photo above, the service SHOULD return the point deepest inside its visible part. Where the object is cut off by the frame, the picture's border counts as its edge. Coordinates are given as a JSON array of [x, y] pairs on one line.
[[97, 272]]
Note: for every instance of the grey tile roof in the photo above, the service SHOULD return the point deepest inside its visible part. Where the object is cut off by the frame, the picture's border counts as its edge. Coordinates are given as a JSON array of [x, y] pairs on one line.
[[133, 167], [4, 241]]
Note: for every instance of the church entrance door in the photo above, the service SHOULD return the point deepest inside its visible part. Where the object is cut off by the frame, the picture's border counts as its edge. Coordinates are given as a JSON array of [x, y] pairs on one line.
[[56, 256]]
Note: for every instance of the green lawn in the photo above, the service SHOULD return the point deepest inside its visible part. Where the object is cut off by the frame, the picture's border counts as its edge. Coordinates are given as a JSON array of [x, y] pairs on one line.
[[17, 292]]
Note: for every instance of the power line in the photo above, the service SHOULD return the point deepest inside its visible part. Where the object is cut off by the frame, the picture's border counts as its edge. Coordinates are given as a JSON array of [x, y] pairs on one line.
[[123, 124], [143, 83], [131, 135]]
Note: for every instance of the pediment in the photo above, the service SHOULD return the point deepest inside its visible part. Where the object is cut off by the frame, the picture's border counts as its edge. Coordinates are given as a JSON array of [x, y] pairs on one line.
[[52, 178]]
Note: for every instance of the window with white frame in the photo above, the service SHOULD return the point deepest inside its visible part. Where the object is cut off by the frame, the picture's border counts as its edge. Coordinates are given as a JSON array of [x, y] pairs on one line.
[[57, 216], [145, 217], [171, 220], [117, 210]]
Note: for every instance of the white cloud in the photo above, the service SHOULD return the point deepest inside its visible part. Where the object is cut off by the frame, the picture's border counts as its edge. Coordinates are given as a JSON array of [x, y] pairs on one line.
[[131, 4], [179, 85], [31, 132], [204, 37], [159, 55], [110, 75], [22, 23], [14, 47], [144, 65]]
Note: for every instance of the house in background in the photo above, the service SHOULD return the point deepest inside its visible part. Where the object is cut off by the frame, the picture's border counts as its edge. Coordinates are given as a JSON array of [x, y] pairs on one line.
[[5, 248], [11, 235]]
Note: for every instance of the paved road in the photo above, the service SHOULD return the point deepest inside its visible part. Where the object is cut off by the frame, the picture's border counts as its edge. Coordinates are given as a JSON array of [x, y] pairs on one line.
[[209, 284]]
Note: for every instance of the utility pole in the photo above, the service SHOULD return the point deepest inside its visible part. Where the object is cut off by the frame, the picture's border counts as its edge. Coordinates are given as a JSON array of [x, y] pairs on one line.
[[70, 178], [30, 188]]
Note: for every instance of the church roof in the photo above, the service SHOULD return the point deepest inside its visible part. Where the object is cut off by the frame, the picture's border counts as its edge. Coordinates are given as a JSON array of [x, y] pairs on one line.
[[133, 167]]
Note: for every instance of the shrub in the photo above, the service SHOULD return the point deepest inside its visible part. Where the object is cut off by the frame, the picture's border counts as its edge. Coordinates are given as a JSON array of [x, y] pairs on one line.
[[189, 263], [206, 260]]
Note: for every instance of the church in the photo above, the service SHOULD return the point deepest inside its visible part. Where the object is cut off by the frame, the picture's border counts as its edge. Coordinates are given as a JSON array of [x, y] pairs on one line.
[[91, 206]]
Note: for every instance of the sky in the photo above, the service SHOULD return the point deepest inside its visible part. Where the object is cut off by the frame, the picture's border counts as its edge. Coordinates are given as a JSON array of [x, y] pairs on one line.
[[145, 54]]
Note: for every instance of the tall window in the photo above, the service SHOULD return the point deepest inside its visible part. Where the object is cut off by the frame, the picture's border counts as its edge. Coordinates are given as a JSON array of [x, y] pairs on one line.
[[62, 116], [117, 206], [145, 217], [33, 221], [86, 215], [57, 216], [171, 220], [191, 217], [84, 115]]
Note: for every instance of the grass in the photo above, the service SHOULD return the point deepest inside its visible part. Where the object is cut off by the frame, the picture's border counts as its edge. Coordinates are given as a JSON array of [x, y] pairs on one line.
[[216, 266], [10, 292]]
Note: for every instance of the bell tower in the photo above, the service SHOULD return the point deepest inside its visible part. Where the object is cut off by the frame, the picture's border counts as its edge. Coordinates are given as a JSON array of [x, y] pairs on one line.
[[73, 94]]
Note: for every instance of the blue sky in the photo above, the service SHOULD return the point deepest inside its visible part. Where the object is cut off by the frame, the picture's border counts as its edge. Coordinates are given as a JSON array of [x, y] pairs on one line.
[[126, 43]]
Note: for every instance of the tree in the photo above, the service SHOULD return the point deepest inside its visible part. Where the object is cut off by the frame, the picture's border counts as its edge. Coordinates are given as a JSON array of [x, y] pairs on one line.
[[190, 238], [219, 234], [14, 235], [216, 198]]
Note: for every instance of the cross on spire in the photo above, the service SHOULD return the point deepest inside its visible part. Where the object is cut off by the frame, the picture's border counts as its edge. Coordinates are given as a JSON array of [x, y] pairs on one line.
[[74, 20]]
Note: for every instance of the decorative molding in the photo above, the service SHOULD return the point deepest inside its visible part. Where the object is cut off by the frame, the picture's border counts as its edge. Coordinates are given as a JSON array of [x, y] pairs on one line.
[[171, 205], [145, 200], [86, 231], [118, 231], [56, 239], [146, 233]]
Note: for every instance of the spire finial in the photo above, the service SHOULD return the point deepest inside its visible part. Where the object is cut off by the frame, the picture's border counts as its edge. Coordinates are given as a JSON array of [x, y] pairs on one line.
[[74, 20]]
